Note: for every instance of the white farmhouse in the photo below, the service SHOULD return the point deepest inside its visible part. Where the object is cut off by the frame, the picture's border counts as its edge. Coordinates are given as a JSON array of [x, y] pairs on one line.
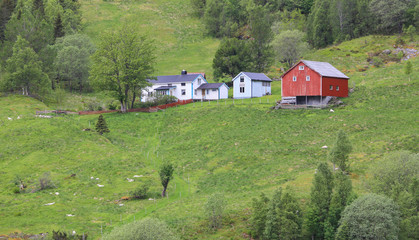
[[249, 85], [184, 87]]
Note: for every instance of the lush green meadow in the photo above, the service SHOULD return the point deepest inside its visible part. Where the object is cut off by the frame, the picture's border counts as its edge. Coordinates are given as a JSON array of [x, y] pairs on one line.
[[239, 148], [180, 40]]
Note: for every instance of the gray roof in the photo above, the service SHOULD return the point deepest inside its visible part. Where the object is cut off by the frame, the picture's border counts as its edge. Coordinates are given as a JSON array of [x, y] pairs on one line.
[[257, 76], [174, 78], [325, 69], [165, 87], [210, 85]]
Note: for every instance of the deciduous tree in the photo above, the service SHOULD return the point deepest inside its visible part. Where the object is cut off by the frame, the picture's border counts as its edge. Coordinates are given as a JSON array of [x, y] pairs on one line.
[[166, 174], [214, 208], [370, 217], [122, 63], [289, 46], [231, 58]]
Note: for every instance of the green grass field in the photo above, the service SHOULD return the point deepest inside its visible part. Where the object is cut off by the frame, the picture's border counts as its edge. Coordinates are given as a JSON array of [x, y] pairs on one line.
[[239, 150], [180, 39]]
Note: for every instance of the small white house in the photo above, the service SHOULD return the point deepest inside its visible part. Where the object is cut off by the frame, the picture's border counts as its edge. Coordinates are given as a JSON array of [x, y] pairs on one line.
[[181, 86], [249, 85], [212, 91]]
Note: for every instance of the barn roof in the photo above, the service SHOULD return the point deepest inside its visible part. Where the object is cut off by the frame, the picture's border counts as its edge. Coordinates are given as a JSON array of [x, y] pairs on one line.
[[174, 78], [258, 76], [325, 69], [210, 85]]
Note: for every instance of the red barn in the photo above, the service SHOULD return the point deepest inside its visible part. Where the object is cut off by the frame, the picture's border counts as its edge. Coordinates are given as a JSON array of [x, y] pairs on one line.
[[312, 83]]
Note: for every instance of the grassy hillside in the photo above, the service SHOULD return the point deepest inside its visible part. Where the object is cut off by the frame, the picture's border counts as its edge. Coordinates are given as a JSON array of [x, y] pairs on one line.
[[179, 38], [239, 150]]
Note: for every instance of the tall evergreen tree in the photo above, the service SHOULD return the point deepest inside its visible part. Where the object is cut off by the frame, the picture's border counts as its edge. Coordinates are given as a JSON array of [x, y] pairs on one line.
[[272, 218], [339, 155], [342, 196], [261, 33], [58, 27], [231, 58], [290, 216], [258, 219], [319, 29], [6, 11], [321, 195]]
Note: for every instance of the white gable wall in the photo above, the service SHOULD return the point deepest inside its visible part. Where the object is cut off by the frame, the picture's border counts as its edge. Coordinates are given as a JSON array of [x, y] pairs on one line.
[[247, 84]]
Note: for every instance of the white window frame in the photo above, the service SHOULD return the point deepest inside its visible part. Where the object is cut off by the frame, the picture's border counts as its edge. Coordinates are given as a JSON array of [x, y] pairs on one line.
[[294, 78], [330, 87], [207, 91], [214, 90], [183, 91], [241, 89], [308, 78], [183, 84], [242, 79], [199, 81], [195, 92], [337, 88], [301, 67]]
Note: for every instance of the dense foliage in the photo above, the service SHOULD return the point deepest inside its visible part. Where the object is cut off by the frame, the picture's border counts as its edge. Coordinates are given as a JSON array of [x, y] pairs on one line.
[[144, 229]]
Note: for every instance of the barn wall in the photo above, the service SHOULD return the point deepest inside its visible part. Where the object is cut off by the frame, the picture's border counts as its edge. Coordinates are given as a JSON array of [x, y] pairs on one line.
[[342, 83], [301, 87]]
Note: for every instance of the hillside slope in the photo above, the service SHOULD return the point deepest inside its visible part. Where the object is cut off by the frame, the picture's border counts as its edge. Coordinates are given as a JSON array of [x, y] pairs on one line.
[[180, 39], [239, 150]]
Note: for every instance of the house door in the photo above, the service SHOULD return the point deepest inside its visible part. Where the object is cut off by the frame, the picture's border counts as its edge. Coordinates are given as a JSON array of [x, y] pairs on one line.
[[203, 92]]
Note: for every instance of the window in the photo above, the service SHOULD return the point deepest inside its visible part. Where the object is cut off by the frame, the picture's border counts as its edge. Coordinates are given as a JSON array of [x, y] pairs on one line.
[[331, 87], [150, 94], [207, 91], [301, 67], [241, 79], [183, 84], [214, 90], [169, 84], [195, 91], [241, 89], [199, 81], [183, 92], [307, 78], [294, 79], [337, 88]]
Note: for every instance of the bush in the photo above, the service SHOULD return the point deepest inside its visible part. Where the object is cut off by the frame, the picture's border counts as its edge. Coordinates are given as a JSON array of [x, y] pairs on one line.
[[140, 192], [159, 100], [45, 182], [91, 104], [377, 61], [214, 209], [144, 229], [62, 235], [113, 105]]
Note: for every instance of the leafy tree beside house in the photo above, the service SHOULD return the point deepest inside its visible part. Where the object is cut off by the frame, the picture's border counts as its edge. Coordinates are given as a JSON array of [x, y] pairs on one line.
[[289, 46], [101, 126], [231, 58], [122, 63]]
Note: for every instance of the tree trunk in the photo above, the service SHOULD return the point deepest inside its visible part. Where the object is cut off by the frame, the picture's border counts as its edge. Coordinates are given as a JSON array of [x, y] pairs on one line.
[[133, 100], [163, 194], [123, 108]]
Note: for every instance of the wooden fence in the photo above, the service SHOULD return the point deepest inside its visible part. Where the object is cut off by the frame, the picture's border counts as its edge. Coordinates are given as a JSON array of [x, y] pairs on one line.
[[149, 109]]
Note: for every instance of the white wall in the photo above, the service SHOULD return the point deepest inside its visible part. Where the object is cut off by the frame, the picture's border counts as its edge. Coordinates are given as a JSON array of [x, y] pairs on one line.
[[177, 92], [247, 87], [223, 92]]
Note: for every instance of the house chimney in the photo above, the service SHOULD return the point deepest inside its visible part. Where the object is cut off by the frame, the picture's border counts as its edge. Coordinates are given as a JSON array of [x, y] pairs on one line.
[[184, 72]]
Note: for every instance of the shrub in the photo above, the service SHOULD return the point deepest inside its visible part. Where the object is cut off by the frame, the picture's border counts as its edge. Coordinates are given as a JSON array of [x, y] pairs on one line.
[[214, 209], [377, 61], [45, 182], [140, 192], [62, 235], [91, 104], [144, 229]]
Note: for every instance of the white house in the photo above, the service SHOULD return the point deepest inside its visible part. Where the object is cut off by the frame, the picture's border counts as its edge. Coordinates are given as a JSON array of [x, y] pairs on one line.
[[248, 85], [212, 91], [184, 87]]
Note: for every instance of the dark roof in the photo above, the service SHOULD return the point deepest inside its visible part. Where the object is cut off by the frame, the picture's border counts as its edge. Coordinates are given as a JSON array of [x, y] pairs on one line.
[[165, 87], [174, 78], [257, 76], [325, 69], [210, 85]]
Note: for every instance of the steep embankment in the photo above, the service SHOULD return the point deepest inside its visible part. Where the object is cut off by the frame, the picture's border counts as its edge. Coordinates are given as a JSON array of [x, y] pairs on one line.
[[238, 150]]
